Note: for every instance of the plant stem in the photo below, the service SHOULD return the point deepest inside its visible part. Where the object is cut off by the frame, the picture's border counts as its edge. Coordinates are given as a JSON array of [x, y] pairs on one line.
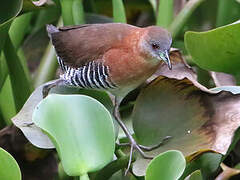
[[84, 177], [66, 6], [47, 67], [113, 167], [183, 16], [165, 13], [78, 12], [118, 11]]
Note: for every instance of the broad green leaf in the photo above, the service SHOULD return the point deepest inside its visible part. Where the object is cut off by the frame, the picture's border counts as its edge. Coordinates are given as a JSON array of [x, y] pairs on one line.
[[227, 12], [8, 11], [165, 13], [9, 169], [168, 165], [118, 11], [206, 161], [18, 29], [81, 129], [217, 49], [3, 70], [32, 132], [196, 175], [195, 119]]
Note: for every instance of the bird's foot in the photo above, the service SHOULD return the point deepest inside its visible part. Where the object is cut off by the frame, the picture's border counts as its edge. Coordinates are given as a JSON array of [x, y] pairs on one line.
[[141, 149], [48, 87]]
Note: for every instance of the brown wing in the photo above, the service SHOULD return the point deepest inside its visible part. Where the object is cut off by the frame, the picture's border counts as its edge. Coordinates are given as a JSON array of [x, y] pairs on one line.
[[78, 45]]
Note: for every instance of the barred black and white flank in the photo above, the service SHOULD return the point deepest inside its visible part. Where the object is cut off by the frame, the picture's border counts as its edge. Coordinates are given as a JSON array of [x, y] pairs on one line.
[[92, 75]]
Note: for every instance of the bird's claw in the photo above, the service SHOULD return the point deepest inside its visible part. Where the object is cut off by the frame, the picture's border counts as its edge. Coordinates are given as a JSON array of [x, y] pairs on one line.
[[140, 149]]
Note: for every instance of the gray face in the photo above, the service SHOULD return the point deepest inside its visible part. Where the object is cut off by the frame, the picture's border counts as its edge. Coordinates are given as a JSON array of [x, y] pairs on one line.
[[157, 44]]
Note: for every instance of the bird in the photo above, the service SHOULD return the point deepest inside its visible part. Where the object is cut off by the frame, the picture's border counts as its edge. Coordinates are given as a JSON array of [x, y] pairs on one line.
[[114, 57]]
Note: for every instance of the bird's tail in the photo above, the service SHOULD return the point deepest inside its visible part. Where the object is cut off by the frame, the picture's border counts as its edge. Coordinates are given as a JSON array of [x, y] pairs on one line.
[[51, 29]]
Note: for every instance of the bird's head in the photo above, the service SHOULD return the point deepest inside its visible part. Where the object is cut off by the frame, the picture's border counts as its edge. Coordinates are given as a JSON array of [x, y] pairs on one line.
[[156, 43]]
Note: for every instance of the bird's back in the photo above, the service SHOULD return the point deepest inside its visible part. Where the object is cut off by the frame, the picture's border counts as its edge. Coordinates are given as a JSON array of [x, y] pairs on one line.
[[78, 45]]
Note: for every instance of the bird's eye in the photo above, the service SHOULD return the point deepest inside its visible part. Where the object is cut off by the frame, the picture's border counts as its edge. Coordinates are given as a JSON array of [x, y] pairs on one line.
[[155, 46]]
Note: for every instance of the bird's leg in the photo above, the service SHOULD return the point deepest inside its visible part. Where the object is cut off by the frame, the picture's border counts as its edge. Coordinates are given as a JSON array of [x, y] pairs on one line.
[[148, 148], [48, 87], [133, 143]]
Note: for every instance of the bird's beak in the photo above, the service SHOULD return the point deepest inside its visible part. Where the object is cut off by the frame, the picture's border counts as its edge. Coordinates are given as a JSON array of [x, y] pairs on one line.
[[164, 56]]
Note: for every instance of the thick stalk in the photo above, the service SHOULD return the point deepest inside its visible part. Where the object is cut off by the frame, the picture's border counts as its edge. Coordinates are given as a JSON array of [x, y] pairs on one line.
[[165, 13], [183, 16], [84, 177]]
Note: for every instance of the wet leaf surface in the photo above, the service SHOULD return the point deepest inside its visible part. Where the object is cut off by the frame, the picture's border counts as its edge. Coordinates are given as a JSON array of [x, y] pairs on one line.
[[168, 165], [23, 119], [194, 118], [221, 58], [90, 143], [9, 167]]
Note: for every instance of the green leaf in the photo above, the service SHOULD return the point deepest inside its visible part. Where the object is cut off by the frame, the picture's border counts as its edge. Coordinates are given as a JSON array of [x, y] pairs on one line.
[[206, 162], [66, 7], [81, 129], [7, 104], [227, 12], [168, 165], [196, 175], [18, 29], [8, 11], [9, 169], [33, 133], [217, 49], [195, 119], [165, 13], [181, 19], [19, 80], [78, 12], [118, 11]]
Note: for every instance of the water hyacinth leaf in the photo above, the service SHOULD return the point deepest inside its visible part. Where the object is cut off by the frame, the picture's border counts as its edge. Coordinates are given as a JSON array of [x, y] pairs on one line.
[[90, 141], [9, 169], [168, 165], [195, 119], [221, 58], [196, 175], [206, 161], [23, 119]]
